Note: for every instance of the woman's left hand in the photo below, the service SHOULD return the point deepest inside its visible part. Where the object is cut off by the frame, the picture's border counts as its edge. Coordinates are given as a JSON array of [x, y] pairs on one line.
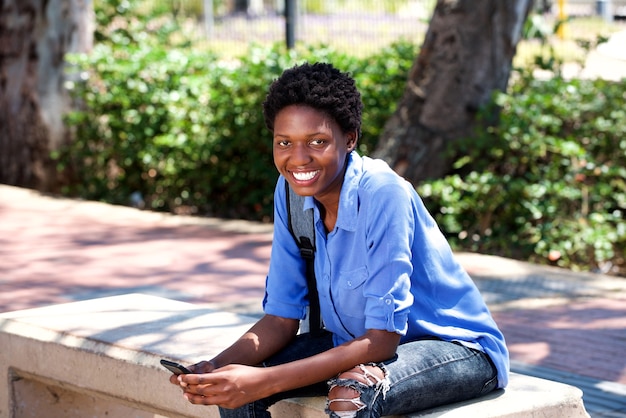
[[230, 386]]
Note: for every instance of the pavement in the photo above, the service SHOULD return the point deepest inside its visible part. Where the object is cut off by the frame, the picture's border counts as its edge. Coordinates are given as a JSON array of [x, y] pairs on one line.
[[559, 325]]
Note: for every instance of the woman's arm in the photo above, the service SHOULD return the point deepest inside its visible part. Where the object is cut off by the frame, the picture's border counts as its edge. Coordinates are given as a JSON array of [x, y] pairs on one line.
[[373, 347], [265, 338], [235, 385]]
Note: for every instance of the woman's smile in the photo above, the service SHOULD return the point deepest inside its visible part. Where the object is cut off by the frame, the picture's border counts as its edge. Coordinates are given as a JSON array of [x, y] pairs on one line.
[[305, 176]]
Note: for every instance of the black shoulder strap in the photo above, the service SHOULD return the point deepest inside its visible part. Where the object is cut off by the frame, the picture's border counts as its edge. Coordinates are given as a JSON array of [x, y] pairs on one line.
[[302, 228]]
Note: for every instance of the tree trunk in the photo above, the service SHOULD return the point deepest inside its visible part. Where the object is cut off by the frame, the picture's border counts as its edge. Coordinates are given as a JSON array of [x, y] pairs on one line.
[[467, 54], [35, 35]]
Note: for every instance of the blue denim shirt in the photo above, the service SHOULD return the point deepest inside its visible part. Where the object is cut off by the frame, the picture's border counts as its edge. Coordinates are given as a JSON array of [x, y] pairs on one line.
[[386, 266]]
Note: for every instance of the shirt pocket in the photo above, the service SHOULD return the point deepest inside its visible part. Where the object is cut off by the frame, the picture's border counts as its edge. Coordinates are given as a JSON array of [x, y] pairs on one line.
[[350, 300]]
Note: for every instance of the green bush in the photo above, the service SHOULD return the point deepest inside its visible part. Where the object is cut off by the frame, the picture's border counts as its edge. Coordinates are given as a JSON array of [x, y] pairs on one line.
[[548, 184], [177, 129], [171, 127]]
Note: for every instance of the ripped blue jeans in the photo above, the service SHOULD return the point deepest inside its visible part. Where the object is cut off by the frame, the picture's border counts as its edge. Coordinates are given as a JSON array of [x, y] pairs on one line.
[[422, 375]]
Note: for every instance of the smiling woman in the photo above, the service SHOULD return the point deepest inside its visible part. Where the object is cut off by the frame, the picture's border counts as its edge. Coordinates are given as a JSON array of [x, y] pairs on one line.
[[405, 328], [310, 151]]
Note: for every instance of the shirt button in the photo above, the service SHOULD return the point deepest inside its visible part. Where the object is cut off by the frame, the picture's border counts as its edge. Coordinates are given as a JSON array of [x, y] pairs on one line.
[[388, 301], [349, 283]]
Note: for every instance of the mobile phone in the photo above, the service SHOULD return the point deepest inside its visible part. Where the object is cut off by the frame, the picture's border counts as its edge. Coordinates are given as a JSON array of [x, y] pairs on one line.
[[175, 367]]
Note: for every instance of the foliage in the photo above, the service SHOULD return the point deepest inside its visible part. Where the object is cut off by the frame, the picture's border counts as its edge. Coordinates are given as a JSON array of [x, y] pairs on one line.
[[362, 6], [168, 126], [177, 129], [124, 22], [381, 78], [548, 184]]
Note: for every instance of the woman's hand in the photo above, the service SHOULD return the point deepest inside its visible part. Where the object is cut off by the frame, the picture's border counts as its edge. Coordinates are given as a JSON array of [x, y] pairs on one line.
[[201, 367], [230, 386], [225, 380]]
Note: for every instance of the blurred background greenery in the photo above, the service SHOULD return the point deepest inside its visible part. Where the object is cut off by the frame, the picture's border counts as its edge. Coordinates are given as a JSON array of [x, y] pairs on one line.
[[170, 120]]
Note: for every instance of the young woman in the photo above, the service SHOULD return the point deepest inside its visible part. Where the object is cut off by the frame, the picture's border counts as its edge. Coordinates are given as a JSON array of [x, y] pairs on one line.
[[405, 327]]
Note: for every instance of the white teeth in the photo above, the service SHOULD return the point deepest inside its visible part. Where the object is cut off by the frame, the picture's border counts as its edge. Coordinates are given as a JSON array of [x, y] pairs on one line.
[[305, 176]]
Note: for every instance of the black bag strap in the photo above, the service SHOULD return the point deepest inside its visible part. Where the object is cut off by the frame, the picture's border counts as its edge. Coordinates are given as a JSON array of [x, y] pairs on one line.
[[303, 231]]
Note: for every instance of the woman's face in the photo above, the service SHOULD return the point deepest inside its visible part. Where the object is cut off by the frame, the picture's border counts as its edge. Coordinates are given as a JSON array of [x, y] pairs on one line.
[[310, 151]]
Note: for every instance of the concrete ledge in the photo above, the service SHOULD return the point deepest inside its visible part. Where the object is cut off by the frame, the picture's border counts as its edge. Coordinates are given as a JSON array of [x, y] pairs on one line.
[[525, 397], [102, 355], [101, 358]]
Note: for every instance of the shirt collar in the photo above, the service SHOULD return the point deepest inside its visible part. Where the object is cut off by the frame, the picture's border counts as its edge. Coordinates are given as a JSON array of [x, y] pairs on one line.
[[348, 199]]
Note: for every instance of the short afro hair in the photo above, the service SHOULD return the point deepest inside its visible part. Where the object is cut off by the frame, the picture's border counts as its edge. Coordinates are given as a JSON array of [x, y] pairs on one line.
[[320, 86]]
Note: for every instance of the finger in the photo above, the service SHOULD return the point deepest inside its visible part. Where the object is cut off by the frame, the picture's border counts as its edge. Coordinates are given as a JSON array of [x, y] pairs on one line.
[[180, 379], [218, 400], [201, 390], [200, 399], [199, 379], [202, 367], [193, 390]]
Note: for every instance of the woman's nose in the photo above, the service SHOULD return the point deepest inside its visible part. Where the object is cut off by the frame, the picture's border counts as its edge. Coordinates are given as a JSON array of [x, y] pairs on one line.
[[299, 155]]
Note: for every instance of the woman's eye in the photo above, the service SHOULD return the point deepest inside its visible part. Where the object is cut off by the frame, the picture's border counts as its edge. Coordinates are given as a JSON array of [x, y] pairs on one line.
[[282, 143], [317, 142]]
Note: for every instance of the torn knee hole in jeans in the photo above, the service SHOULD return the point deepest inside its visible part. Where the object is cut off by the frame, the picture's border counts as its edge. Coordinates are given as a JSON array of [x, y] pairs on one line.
[[344, 397]]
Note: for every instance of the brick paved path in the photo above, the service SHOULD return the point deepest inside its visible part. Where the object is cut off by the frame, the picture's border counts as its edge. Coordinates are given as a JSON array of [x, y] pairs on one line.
[[57, 250], [578, 337]]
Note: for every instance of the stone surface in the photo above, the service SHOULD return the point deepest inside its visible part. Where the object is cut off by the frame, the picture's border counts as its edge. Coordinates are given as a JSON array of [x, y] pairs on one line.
[[100, 358]]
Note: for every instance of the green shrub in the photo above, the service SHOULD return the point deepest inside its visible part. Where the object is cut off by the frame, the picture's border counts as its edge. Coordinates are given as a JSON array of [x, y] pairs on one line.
[[167, 126], [171, 127], [548, 184], [180, 130]]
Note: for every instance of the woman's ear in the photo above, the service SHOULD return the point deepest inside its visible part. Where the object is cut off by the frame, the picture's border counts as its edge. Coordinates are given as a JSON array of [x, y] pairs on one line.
[[351, 137]]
